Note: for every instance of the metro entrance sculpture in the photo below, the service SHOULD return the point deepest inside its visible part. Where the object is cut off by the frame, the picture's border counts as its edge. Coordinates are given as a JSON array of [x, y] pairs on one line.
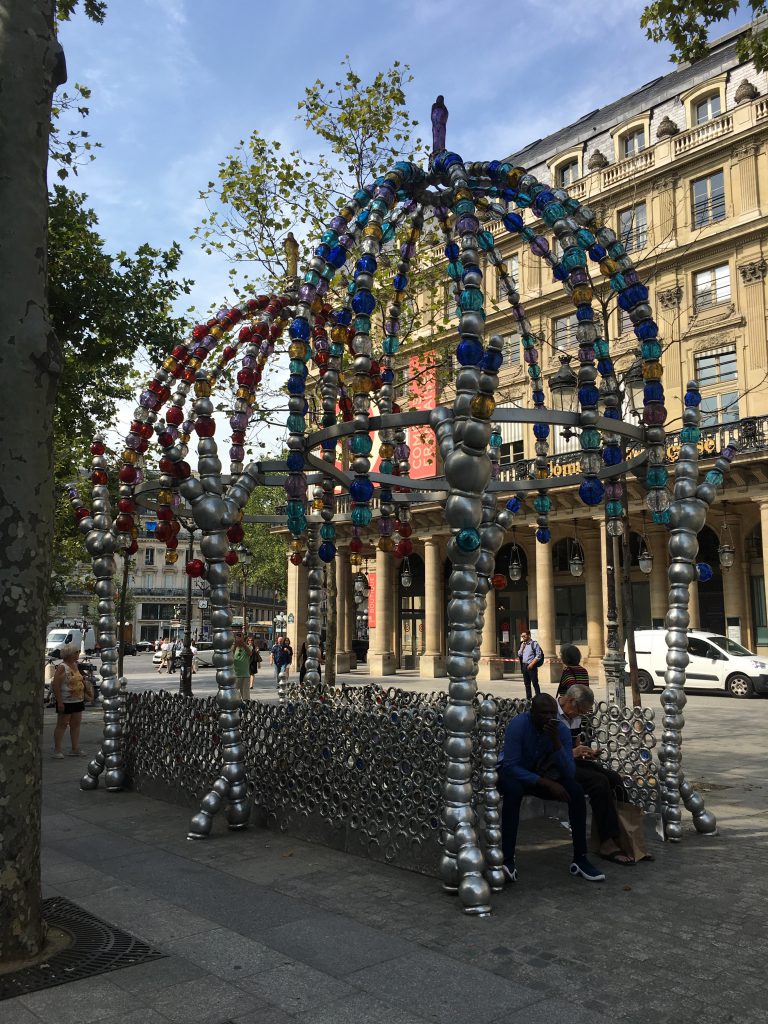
[[335, 335]]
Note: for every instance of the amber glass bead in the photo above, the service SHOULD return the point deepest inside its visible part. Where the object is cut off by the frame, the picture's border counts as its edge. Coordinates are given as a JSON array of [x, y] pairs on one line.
[[386, 544], [482, 406], [203, 388], [372, 231], [164, 497], [581, 294], [361, 384], [130, 456], [608, 267], [171, 557], [653, 371]]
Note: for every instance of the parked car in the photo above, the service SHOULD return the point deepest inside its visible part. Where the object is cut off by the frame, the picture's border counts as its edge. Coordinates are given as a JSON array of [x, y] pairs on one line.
[[143, 646], [715, 663], [204, 654], [129, 647]]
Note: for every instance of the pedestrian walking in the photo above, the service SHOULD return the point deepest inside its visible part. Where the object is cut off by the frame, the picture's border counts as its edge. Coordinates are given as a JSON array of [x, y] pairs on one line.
[[255, 660], [241, 655], [70, 690], [531, 657]]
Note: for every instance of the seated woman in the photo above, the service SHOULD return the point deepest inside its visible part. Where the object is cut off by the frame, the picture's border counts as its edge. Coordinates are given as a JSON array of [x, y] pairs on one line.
[[573, 671]]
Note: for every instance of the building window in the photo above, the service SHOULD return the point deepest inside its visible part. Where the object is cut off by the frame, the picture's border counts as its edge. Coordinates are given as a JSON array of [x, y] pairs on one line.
[[711, 286], [564, 331], [633, 142], [719, 409], [633, 227], [513, 445], [716, 367], [625, 321], [511, 452], [708, 198], [568, 173], [511, 349], [570, 614], [707, 108], [148, 580], [149, 556]]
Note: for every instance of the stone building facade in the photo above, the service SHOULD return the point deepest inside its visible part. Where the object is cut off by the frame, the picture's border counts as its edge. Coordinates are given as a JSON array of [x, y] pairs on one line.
[[679, 169]]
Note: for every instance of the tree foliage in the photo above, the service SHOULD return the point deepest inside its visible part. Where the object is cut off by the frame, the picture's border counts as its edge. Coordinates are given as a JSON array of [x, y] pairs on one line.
[[686, 24], [268, 567]]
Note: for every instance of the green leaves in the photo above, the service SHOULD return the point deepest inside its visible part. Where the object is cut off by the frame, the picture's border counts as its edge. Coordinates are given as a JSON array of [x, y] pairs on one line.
[[685, 24]]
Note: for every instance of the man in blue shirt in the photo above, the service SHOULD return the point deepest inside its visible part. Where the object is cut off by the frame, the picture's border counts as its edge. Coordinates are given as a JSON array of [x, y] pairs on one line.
[[538, 760], [530, 656]]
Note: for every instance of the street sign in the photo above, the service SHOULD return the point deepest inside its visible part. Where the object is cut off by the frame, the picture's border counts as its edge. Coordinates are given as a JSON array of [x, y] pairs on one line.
[[202, 605]]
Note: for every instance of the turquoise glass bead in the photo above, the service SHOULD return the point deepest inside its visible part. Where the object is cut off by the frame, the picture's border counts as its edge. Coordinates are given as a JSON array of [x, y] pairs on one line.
[[542, 503], [614, 509], [312, 277], [657, 476], [328, 272], [534, 372], [298, 366], [387, 232], [294, 507], [529, 341], [523, 200], [663, 518], [328, 531], [361, 444], [601, 348], [464, 206], [455, 269], [361, 515], [714, 476], [585, 238], [362, 324], [336, 349], [295, 424], [573, 258], [618, 282], [496, 440], [471, 300], [329, 237], [553, 212], [390, 345], [590, 440], [386, 466], [690, 435], [651, 350], [379, 206], [485, 240], [468, 540]]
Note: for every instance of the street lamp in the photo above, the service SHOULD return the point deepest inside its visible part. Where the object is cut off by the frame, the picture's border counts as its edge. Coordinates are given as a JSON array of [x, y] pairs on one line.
[[726, 552], [515, 571], [644, 555], [244, 559], [576, 561], [406, 576], [564, 386], [634, 386]]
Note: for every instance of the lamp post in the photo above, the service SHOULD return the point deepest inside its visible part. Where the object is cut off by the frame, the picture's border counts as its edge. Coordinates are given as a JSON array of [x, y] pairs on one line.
[[244, 558], [563, 385]]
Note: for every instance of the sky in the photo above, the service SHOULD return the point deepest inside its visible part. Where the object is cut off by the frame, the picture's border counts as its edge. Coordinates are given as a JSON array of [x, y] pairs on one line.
[[177, 83]]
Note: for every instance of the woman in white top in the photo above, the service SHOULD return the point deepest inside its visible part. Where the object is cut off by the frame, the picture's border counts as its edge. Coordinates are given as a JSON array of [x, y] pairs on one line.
[[69, 690]]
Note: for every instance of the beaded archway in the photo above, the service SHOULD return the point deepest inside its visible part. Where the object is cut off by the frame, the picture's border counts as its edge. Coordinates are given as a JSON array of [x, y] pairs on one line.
[[337, 338]]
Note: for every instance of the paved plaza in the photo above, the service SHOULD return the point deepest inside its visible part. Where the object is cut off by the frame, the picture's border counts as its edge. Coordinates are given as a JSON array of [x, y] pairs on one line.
[[262, 929]]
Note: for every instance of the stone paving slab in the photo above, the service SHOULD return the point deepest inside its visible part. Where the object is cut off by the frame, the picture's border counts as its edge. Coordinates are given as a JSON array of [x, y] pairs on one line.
[[260, 927]]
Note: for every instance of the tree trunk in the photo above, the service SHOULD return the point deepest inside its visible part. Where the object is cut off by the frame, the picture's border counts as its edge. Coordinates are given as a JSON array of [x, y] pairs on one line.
[[330, 623], [628, 617], [31, 62]]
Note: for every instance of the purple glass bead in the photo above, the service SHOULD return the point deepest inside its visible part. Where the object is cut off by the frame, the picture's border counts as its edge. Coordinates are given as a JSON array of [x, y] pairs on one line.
[[249, 362], [386, 526], [579, 276], [613, 491], [296, 487], [441, 212], [411, 206], [391, 327], [495, 471], [146, 399], [322, 289], [586, 353], [238, 421], [654, 415], [467, 225], [221, 313], [307, 292], [531, 356], [338, 224], [173, 431], [322, 345], [519, 311], [355, 531], [728, 453], [187, 426], [347, 241], [139, 474], [630, 276], [539, 246], [402, 452], [132, 441], [237, 453]]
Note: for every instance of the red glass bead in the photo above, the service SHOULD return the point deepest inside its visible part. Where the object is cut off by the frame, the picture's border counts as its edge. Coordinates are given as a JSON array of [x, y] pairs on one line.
[[183, 470], [165, 512], [199, 331], [205, 427], [231, 557], [126, 505], [228, 352], [499, 580], [200, 353], [244, 334], [98, 476], [245, 377], [172, 543], [97, 448], [167, 465], [133, 547], [81, 513], [235, 533], [405, 547], [163, 531], [165, 440], [195, 568], [178, 372], [238, 436], [297, 558], [180, 351], [404, 529], [260, 330], [189, 376], [355, 545], [175, 526], [123, 523], [175, 416]]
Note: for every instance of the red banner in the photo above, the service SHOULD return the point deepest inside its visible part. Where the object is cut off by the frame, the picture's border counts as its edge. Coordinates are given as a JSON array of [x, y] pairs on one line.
[[372, 600], [423, 395]]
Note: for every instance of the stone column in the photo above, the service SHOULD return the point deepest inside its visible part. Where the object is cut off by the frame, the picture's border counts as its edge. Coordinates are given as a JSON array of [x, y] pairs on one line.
[[659, 580], [491, 666], [733, 589], [545, 606], [296, 605], [593, 586], [745, 157], [349, 618], [693, 606], [342, 609], [381, 660], [432, 661], [752, 303], [661, 222]]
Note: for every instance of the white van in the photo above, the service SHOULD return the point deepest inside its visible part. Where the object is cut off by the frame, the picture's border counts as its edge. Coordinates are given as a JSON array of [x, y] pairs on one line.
[[716, 663], [62, 635]]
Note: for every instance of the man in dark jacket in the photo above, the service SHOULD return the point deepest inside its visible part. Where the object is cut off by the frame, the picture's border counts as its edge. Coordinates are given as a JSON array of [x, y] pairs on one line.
[[537, 760]]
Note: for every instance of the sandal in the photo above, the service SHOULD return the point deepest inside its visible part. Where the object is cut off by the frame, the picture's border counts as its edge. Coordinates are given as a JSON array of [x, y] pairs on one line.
[[617, 857]]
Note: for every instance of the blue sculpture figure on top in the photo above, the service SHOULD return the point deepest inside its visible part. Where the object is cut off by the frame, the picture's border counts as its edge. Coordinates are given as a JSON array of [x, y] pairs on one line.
[[439, 121]]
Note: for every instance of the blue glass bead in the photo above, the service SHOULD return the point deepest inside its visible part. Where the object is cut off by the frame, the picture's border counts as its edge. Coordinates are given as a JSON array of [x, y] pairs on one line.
[[492, 360], [296, 385], [597, 253], [469, 352], [585, 314], [387, 376], [343, 316], [390, 345], [509, 195], [542, 503], [537, 396], [513, 222], [326, 552], [663, 518], [573, 258], [496, 440], [591, 491], [361, 489], [386, 466], [362, 217], [541, 431], [468, 540], [523, 200], [364, 302], [493, 168], [336, 349], [513, 505], [471, 300], [657, 476], [612, 414], [328, 531], [305, 410], [330, 442], [690, 435], [329, 237], [385, 494], [614, 509], [612, 454], [338, 256], [295, 462], [703, 572], [485, 240], [559, 272], [604, 366], [367, 264], [362, 324], [455, 269], [543, 198], [322, 251], [588, 395], [471, 268], [553, 213], [692, 399], [299, 329], [400, 282], [295, 424], [361, 515], [653, 391], [714, 476], [590, 439], [406, 169], [361, 444], [543, 535], [451, 251], [646, 329], [650, 350], [362, 196]]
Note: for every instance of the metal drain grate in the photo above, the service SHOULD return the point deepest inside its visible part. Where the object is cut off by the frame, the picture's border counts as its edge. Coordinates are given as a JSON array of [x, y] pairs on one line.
[[96, 948]]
